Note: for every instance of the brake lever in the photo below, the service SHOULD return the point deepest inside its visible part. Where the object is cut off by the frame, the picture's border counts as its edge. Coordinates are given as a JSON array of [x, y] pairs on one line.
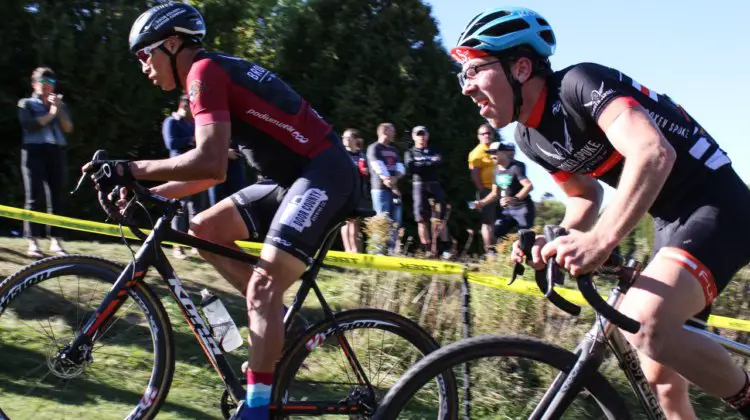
[[526, 238], [99, 154], [554, 274]]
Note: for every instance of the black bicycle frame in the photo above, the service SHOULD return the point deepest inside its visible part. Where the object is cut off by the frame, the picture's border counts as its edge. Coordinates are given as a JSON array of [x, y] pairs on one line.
[[150, 254], [591, 351]]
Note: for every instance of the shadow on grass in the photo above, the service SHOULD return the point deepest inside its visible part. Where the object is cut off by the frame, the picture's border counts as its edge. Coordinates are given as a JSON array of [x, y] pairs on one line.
[[74, 392]]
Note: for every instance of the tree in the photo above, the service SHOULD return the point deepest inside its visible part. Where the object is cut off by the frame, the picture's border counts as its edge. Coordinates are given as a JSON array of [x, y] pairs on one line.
[[368, 61]]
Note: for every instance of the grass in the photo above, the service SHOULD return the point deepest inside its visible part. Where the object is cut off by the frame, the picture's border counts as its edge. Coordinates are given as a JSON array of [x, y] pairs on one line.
[[501, 390]]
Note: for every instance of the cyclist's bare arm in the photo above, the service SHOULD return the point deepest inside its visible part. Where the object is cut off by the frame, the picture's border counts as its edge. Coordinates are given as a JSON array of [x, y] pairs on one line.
[[648, 161], [584, 200], [207, 161]]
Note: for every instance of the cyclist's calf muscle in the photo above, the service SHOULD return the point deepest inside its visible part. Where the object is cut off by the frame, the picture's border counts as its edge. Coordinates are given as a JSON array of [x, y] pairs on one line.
[[277, 270]]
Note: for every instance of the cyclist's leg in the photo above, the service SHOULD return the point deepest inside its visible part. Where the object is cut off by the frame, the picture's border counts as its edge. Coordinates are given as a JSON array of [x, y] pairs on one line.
[[701, 253], [324, 195], [245, 214]]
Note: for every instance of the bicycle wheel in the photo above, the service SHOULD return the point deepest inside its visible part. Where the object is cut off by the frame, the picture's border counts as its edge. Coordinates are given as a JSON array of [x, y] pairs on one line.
[[501, 368], [43, 306], [315, 368]]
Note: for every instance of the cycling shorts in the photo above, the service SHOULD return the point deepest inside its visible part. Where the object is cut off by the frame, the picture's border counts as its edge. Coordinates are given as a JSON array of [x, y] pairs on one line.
[[421, 193], [296, 219], [709, 229]]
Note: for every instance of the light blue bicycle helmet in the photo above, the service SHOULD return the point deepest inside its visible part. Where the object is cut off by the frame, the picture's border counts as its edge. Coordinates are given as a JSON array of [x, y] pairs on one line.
[[501, 29]]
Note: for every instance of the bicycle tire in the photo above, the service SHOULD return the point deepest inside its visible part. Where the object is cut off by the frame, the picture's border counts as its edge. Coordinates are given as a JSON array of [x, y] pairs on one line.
[[163, 370], [298, 351], [475, 348]]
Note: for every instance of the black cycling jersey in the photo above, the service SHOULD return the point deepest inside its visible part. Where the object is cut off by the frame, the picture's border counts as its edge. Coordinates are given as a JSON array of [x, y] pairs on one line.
[[277, 130], [562, 134], [423, 164], [700, 214]]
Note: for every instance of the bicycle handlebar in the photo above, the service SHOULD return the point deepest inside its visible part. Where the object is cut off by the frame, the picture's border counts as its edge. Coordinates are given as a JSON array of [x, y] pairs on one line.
[[546, 280], [110, 208]]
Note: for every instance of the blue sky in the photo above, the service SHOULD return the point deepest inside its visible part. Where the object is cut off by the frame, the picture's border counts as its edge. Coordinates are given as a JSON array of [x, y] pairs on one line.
[[695, 51]]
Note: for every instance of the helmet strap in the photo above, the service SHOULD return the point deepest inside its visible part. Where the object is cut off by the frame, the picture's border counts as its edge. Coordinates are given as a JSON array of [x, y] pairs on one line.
[[516, 86], [173, 62]]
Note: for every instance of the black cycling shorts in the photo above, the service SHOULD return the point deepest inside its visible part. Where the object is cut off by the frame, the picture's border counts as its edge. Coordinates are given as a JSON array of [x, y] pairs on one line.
[[296, 219], [711, 226], [421, 193]]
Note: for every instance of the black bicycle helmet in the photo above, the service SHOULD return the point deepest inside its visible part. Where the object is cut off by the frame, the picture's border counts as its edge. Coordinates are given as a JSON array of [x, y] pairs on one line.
[[165, 20]]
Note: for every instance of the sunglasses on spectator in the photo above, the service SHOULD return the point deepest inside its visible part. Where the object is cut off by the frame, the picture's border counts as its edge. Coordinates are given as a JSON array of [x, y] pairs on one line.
[[421, 133], [145, 53], [486, 133], [50, 80]]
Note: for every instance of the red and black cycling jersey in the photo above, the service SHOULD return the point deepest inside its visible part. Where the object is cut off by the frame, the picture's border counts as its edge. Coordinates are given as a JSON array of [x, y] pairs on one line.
[[562, 134], [277, 130]]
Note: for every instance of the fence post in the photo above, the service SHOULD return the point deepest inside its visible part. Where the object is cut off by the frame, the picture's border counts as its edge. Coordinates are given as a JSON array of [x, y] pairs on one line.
[[466, 313]]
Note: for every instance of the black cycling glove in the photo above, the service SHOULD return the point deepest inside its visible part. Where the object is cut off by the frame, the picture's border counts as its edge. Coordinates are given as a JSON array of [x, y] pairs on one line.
[[109, 173]]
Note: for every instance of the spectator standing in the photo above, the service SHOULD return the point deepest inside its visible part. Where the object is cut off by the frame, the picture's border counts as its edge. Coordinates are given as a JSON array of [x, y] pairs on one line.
[[482, 167], [512, 187], [423, 162], [353, 143], [45, 120], [178, 131], [386, 169]]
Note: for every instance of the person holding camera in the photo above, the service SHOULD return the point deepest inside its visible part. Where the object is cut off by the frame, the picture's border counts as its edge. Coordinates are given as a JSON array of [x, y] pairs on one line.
[[45, 120]]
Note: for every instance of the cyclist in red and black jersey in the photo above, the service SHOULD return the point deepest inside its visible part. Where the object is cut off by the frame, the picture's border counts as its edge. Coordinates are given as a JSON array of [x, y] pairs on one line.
[[589, 122], [314, 182]]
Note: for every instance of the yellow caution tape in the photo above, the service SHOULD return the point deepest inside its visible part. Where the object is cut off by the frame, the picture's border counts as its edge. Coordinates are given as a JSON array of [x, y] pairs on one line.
[[344, 259], [574, 296], [335, 258]]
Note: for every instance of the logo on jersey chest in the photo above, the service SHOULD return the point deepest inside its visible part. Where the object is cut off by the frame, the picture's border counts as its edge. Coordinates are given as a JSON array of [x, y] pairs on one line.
[[304, 209]]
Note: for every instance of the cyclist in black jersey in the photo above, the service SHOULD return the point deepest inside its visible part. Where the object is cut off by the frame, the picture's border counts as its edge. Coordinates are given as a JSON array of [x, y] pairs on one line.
[[589, 122], [314, 183], [423, 162]]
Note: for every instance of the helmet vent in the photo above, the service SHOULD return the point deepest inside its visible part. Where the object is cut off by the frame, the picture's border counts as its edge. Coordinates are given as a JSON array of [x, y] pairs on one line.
[[485, 20], [542, 22], [471, 43], [547, 36], [505, 28]]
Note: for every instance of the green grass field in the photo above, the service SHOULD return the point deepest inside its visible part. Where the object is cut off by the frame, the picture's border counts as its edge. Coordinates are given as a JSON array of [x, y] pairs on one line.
[[501, 390]]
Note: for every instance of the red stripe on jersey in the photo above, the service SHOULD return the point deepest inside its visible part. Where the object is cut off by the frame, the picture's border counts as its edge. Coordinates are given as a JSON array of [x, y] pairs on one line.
[[611, 161], [536, 112], [645, 90]]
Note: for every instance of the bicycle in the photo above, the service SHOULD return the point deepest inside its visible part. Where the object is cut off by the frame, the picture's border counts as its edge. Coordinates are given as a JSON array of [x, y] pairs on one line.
[[579, 371], [69, 357]]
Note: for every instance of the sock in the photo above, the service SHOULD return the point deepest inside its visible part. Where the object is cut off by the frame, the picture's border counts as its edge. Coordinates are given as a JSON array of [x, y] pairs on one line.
[[258, 394], [741, 400]]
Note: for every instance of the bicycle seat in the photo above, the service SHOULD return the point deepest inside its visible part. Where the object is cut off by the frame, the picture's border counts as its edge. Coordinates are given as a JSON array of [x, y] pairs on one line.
[[362, 212]]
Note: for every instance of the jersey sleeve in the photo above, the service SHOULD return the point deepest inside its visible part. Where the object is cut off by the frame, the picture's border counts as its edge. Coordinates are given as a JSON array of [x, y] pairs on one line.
[[208, 91], [588, 88]]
